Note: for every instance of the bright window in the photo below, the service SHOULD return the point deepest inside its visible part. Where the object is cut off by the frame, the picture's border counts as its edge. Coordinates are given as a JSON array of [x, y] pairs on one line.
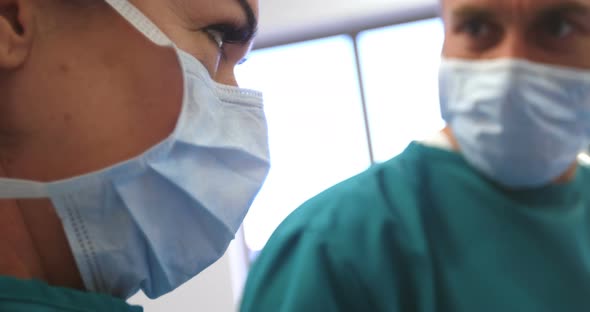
[[400, 74], [315, 111], [316, 126]]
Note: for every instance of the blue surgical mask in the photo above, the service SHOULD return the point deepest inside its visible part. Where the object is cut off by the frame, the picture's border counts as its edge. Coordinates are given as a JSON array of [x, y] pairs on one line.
[[521, 124], [155, 221]]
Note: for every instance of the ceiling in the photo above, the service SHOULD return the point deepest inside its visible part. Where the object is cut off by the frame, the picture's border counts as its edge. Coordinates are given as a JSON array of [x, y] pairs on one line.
[[284, 21]]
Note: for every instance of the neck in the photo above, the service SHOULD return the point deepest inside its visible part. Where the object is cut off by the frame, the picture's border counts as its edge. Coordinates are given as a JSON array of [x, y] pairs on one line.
[[33, 244], [20, 262], [566, 177]]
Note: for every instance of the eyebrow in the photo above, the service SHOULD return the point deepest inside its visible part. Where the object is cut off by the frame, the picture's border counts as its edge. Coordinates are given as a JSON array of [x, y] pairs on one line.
[[468, 11], [566, 8], [563, 8]]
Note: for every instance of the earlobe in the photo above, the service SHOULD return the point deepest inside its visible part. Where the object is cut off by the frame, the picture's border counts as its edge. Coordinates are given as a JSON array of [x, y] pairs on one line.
[[15, 32]]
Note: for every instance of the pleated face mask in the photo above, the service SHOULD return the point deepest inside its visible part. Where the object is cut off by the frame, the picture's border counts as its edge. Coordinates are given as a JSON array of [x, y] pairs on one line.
[[155, 221], [521, 124]]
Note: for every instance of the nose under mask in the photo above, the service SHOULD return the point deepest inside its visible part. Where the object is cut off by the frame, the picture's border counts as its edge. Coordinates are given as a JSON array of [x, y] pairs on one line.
[[521, 124]]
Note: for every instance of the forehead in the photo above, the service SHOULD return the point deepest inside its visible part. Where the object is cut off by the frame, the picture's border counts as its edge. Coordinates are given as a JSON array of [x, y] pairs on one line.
[[512, 7]]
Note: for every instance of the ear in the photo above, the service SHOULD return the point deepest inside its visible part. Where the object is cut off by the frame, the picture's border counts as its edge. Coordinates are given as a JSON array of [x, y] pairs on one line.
[[16, 32]]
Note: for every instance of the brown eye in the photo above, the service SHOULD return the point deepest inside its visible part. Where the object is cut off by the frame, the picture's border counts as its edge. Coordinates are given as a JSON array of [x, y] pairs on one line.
[[478, 33], [476, 28], [557, 27], [239, 35], [233, 34]]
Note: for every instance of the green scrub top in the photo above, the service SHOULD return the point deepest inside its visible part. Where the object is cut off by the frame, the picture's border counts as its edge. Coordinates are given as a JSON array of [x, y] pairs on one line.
[[425, 232], [34, 296]]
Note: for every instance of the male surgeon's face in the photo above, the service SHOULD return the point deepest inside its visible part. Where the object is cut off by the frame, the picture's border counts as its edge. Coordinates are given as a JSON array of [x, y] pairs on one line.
[[553, 32]]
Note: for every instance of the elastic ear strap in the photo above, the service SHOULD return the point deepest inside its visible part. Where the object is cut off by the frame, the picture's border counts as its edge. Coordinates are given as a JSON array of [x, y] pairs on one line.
[[140, 22], [22, 189]]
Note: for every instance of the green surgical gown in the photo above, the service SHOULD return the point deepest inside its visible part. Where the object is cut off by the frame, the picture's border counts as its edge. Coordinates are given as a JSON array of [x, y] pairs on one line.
[[425, 232], [34, 296]]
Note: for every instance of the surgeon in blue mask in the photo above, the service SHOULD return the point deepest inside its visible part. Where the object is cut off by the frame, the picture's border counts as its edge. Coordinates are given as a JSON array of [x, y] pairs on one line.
[[128, 155], [492, 214]]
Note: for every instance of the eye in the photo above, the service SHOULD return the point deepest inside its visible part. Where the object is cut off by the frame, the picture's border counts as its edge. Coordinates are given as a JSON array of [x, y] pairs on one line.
[[478, 33], [476, 28], [557, 27], [238, 35], [227, 33], [220, 39]]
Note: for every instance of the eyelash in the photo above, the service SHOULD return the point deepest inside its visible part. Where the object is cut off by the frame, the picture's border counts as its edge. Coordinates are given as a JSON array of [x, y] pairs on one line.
[[553, 21], [223, 39], [466, 25], [232, 34]]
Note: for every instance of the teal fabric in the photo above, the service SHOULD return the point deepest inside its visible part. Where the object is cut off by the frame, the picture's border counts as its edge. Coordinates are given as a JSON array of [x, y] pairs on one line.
[[425, 232], [34, 296]]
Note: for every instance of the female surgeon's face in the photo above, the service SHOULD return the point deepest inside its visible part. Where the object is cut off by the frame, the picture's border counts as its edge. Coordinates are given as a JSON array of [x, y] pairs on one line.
[[81, 90], [546, 31]]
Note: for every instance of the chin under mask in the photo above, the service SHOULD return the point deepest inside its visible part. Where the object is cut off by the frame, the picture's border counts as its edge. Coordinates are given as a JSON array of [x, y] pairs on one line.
[[155, 221], [521, 124]]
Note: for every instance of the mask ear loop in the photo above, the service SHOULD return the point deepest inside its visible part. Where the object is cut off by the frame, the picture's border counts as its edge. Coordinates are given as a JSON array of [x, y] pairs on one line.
[[141, 22], [22, 189]]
